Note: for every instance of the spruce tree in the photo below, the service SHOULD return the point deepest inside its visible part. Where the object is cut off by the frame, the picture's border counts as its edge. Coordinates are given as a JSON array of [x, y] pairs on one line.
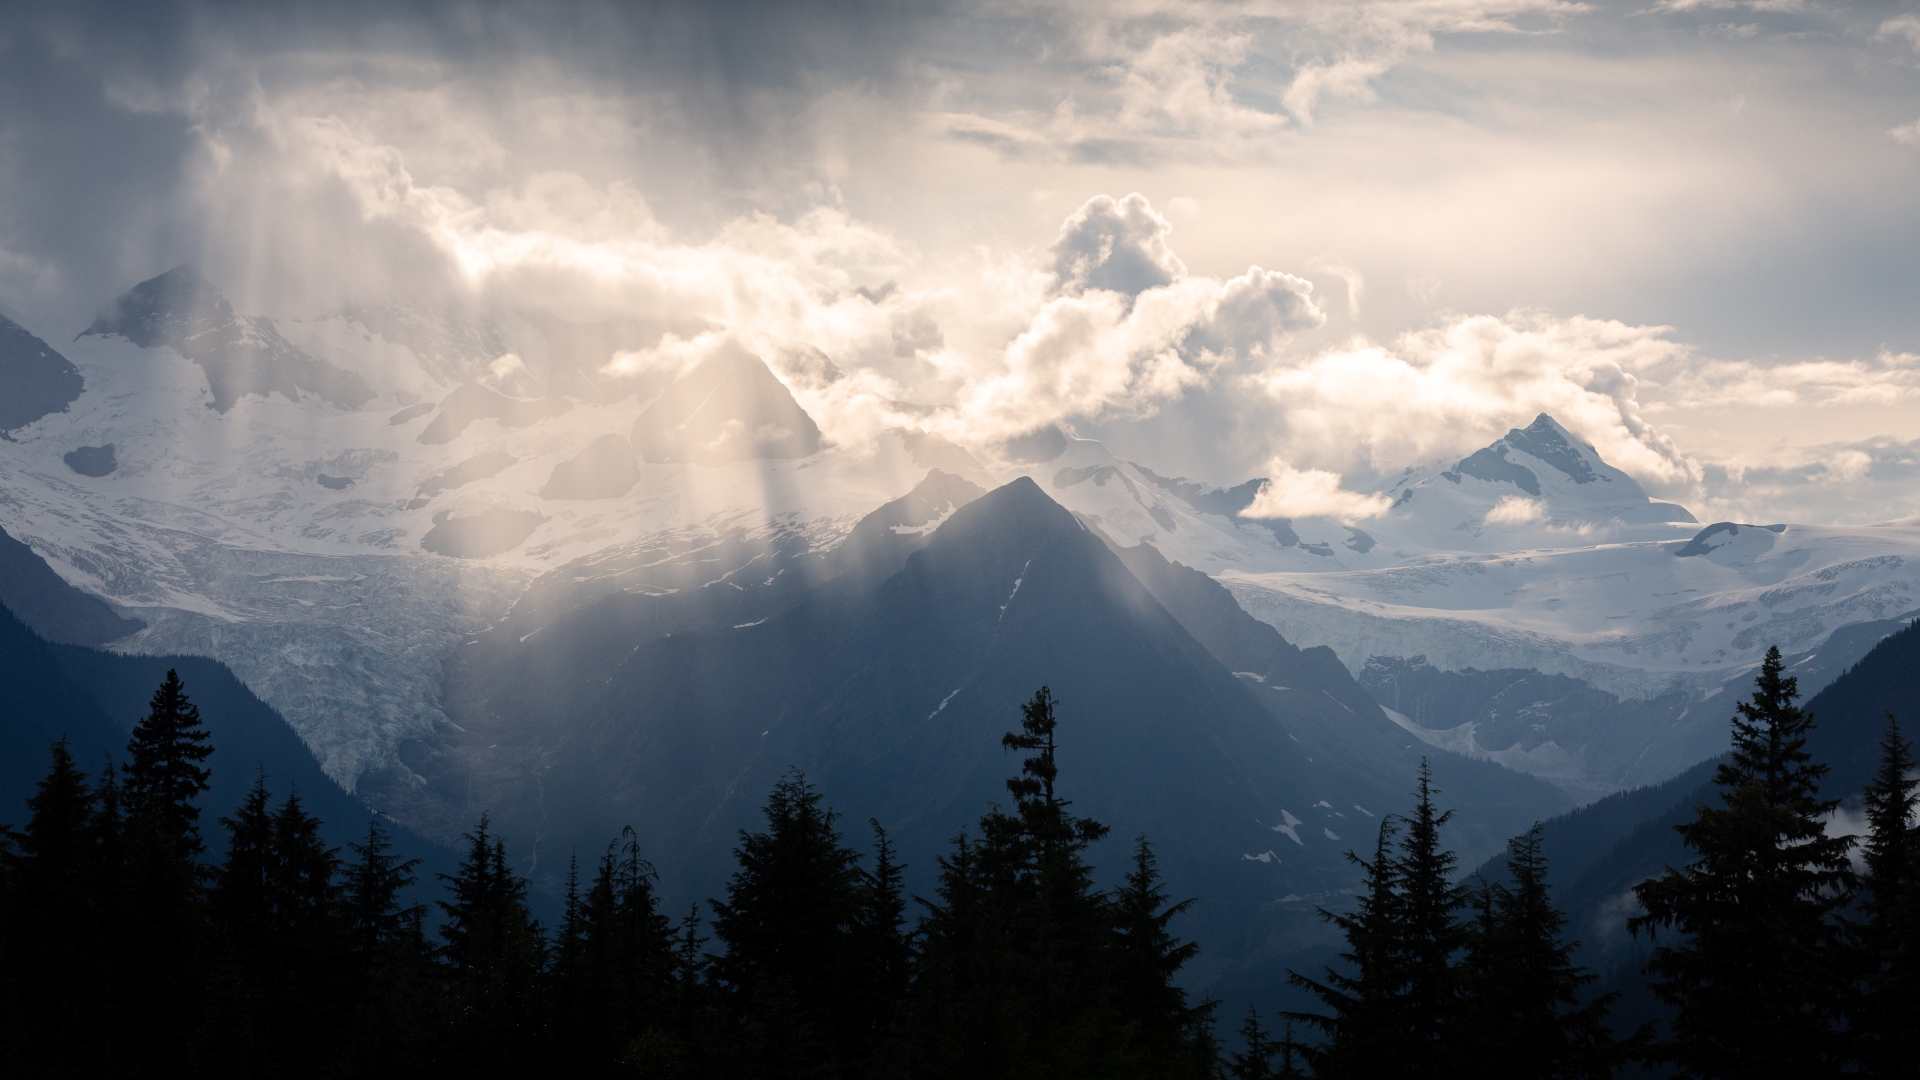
[[1430, 928], [1522, 1016], [497, 956], [1364, 1032], [880, 958], [160, 932], [1146, 959], [787, 924], [52, 947], [280, 990], [1255, 1062], [1016, 966], [394, 985], [1755, 971], [1393, 1014], [1886, 1025], [166, 772]]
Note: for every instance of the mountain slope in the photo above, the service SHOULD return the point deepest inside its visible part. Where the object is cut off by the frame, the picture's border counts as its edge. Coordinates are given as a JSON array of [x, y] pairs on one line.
[[240, 355], [887, 676], [35, 381]]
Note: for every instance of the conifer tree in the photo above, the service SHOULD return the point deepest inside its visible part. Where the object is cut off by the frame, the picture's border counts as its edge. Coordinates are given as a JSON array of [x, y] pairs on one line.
[[1365, 1032], [1430, 928], [497, 956], [395, 985], [1521, 1016], [1392, 1015], [880, 958], [787, 924], [623, 975], [1147, 957], [166, 772], [1886, 1026], [1755, 971], [280, 993], [52, 948], [160, 932], [1019, 972], [1256, 1061]]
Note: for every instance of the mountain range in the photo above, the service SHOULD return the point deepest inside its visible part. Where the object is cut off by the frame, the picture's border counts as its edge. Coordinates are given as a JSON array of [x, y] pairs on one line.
[[481, 563]]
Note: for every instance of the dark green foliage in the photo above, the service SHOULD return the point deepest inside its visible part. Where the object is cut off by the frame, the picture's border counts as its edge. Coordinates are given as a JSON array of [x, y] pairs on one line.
[[1390, 1016], [497, 956], [394, 984], [158, 934], [1753, 969], [1427, 993], [612, 977], [280, 990], [58, 969], [1887, 1022], [1026, 970], [789, 924], [1521, 1014], [166, 773]]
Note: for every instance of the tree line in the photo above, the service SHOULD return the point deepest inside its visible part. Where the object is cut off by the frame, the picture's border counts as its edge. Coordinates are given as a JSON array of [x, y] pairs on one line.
[[1774, 955], [124, 951]]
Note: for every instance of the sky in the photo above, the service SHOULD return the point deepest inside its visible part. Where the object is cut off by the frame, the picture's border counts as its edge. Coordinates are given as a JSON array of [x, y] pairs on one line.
[[1290, 238]]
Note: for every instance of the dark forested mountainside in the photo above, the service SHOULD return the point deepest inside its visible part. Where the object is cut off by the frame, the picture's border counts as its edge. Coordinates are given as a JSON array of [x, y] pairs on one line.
[[1318, 703], [55, 610], [93, 698], [1600, 851], [883, 677]]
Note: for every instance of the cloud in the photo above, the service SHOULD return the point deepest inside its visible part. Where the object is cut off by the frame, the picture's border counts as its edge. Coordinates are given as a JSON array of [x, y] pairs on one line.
[[1904, 26], [1906, 134], [1516, 510], [1681, 381], [1295, 493], [1120, 246], [1457, 386]]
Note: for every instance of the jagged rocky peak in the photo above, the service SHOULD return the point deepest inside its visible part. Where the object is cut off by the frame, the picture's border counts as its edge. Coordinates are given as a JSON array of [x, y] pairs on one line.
[[1546, 462], [240, 355], [35, 381], [729, 407]]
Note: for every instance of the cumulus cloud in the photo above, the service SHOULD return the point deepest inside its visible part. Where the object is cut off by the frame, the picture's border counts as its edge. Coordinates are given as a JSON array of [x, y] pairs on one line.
[[1906, 134], [1294, 493], [1119, 245], [1455, 387]]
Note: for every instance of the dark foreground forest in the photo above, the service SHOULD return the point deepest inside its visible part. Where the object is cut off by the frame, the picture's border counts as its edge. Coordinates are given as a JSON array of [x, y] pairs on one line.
[[124, 951]]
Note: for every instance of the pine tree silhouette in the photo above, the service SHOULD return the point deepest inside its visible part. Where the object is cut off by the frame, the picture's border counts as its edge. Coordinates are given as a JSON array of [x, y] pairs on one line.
[[1522, 1016], [498, 958], [787, 924], [1756, 975], [1885, 1025], [160, 929], [51, 946]]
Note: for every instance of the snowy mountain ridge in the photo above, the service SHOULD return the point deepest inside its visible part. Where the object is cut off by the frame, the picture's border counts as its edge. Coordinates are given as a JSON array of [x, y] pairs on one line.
[[332, 506]]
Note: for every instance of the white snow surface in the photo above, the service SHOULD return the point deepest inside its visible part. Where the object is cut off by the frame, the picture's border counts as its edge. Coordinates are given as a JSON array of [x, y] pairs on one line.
[[217, 531]]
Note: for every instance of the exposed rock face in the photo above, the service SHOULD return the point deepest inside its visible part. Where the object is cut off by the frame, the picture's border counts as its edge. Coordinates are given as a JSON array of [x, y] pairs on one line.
[[489, 532], [729, 408], [92, 460], [35, 381], [472, 402], [241, 355]]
